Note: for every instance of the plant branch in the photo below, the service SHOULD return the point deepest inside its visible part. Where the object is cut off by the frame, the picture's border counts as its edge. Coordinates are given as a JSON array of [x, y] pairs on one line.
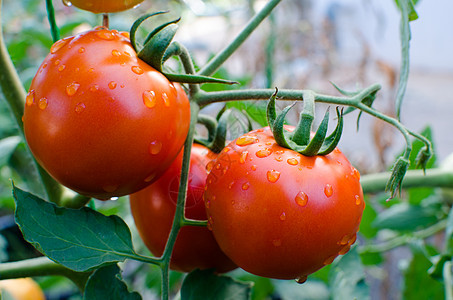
[[446, 272], [53, 24], [223, 55]]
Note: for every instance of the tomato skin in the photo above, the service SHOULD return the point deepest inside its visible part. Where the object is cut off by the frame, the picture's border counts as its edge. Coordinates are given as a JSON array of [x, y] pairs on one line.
[[153, 209], [22, 289], [105, 6], [279, 214], [98, 118]]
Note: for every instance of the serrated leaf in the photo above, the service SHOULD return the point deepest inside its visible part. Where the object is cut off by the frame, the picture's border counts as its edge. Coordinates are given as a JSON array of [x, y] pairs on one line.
[[405, 217], [80, 240], [347, 278], [107, 283], [204, 284], [7, 147], [256, 110]]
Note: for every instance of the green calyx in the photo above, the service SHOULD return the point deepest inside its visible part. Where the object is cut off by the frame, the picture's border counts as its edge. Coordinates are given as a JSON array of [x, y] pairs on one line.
[[300, 140], [158, 47]]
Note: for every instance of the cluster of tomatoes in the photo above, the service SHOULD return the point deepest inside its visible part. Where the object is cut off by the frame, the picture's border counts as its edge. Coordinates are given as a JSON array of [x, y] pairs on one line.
[[105, 124]]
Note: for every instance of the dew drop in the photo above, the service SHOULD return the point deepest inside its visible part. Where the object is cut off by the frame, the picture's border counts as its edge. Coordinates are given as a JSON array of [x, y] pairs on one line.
[[253, 168], [352, 239], [150, 177], [292, 161], [273, 175], [209, 166], [155, 147], [279, 158], [301, 199], [137, 70], [226, 149], [42, 103], [67, 3], [246, 140], [110, 188], [81, 50], [357, 200], [279, 152], [344, 250], [231, 185], [44, 66], [127, 54], [61, 68], [112, 85], [57, 62], [277, 242], [210, 223], [218, 166], [208, 203], [105, 34], [243, 157], [116, 53], [79, 108], [263, 152], [328, 190], [72, 88], [344, 240], [166, 99], [269, 143], [94, 88], [283, 216], [246, 186], [91, 70], [58, 45], [355, 174], [149, 98], [301, 279], [125, 34], [329, 260], [30, 99]]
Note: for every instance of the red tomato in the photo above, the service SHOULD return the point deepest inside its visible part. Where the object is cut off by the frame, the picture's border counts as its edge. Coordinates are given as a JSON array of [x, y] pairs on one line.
[[103, 6], [279, 214], [100, 120], [153, 209]]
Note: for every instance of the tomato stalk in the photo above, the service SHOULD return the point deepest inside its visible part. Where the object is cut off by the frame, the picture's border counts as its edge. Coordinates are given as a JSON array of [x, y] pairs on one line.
[[15, 93], [447, 280], [53, 24]]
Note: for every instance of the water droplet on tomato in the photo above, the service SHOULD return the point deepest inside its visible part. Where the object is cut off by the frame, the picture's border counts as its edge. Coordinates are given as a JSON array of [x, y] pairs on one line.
[[112, 85], [253, 168], [155, 147], [263, 152], [61, 68], [246, 186], [279, 152], [110, 188], [127, 54], [42, 103], [58, 45], [246, 140], [243, 157], [328, 190], [269, 143], [277, 242], [116, 53], [81, 50], [210, 223], [226, 149], [301, 199], [352, 239], [125, 34], [355, 173], [166, 99], [301, 279], [67, 3], [113, 198], [149, 98], [105, 34], [329, 260], [72, 88], [292, 161], [208, 203], [218, 166], [273, 175], [57, 62], [30, 99], [357, 200], [344, 250], [137, 70], [44, 65], [79, 108], [279, 158], [283, 216], [94, 88], [231, 185]]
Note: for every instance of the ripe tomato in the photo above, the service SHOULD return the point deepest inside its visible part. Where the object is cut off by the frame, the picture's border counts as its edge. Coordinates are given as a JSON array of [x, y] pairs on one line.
[[153, 209], [22, 289], [100, 120], [103, 6], [280, 214]]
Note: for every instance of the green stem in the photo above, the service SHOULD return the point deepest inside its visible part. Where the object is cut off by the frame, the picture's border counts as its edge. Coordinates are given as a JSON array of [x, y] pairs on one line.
[[446, 272], [223, 55], [15, 94], [41, 266], [414, 178], [53, 24], [302, 133], [404, 239], [190, 222], [178, 220]]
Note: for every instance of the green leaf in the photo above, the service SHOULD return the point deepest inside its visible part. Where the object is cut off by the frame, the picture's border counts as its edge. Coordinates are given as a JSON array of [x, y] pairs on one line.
[[256, 110], [412, 13], [347, 278], [106, 283], [369, 215], [449, 233], [80, 240], [7, 147], [207, 285], [309, 290], [406, 217], [417, 283]]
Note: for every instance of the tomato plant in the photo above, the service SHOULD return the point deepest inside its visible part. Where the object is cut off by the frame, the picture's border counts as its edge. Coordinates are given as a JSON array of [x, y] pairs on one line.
[[22, 289], [153, 209], [290, 214], [104, 6], [96, 116]]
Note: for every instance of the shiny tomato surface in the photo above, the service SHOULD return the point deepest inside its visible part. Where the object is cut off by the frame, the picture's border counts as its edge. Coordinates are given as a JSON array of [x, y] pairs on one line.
[[103, 6]]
